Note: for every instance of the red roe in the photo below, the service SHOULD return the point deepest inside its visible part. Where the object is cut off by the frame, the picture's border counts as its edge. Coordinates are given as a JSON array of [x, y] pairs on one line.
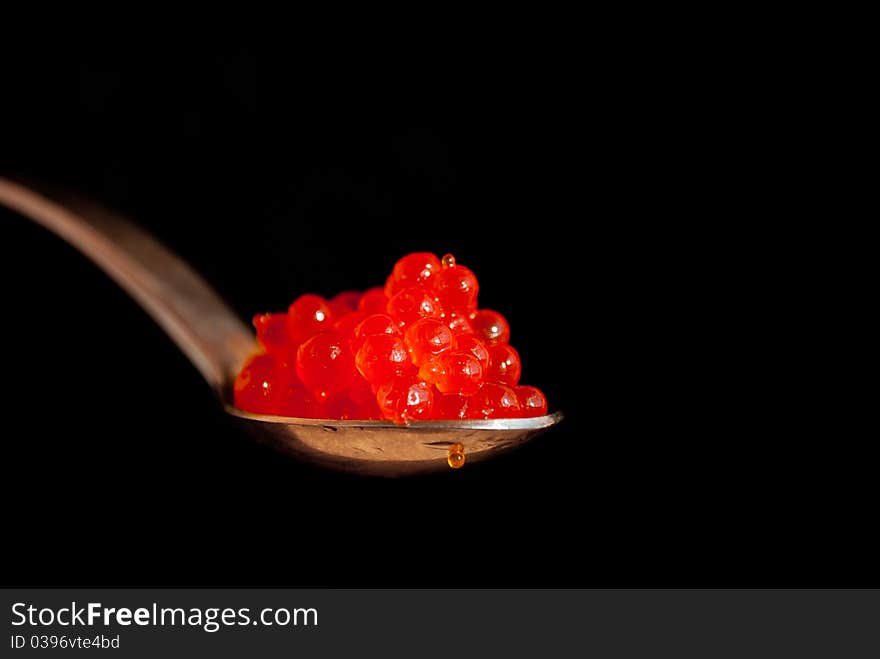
[[452, 407], [347, 325], [458, 323], [417, 348], [272, 331], [258, 387], [458, 373], [344, 302], [414, 269], [405, 398], [382, 357], [491, 327], [325, 365], [296, 401], [504, 365], [531, 400], [431, 371], [359, 403], [455, 457], [411, 304], [494, 401], [377, 323], [456, 289], [477, 348], [427, 338], [373, 300], [308, 315]]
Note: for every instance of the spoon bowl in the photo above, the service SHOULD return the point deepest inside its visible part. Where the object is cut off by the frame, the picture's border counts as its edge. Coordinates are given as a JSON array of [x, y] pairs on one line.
[[379, 448], [217, 342]]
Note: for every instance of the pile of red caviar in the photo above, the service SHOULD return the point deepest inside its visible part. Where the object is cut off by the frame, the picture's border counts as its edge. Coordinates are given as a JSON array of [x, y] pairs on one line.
[[417, 348]]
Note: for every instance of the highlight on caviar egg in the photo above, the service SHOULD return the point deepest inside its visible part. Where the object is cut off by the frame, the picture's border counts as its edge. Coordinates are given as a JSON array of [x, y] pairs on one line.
[[417, 348]]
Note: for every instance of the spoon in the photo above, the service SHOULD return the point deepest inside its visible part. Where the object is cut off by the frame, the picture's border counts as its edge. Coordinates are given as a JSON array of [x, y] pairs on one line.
[[217, 342]]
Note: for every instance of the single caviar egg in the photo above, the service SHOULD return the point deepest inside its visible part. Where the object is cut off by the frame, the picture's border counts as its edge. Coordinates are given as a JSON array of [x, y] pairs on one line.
[[347, 326], [532, 401], [325, 365], [476, 347], [458, 323], [411, 304], [455, 456], [494, 401], [491, 327], [258, 386], [382, 357], [377, 323], [456, 289], [373, 300], [459, 373], [405, 398], [414, 269], [308, 315], [272, 331], [427, 338], [504, 365]]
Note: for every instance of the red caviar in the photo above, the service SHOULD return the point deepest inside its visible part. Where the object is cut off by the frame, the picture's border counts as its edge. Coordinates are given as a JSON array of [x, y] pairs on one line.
[[427, 338], [491, 326], [416, 348]]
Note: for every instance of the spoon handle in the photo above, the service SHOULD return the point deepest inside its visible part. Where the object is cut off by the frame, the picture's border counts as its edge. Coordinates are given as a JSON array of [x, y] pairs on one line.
[[208, 332]]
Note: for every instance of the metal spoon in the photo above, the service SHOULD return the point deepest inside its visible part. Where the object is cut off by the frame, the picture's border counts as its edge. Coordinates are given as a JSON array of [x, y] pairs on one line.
[[217, 343]]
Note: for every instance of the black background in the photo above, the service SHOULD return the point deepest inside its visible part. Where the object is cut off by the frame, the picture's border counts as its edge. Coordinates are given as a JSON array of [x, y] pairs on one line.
[[587, 208]]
